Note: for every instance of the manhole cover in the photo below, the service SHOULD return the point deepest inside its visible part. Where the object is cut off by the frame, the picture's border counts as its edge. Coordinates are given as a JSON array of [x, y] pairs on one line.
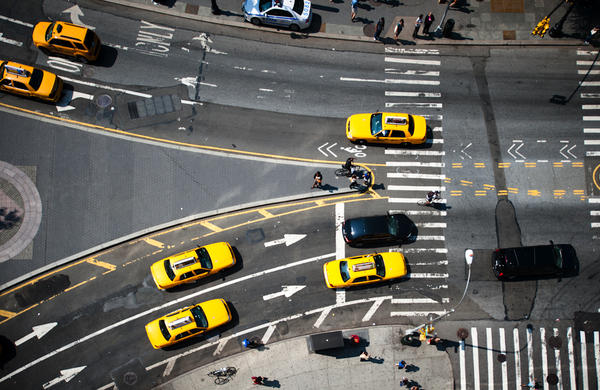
[[88, 72], [502, 358], [375, 3], [589, 325], [104, 101], [130, 378], [555, 342], [255, 235], [369, 30], [552, 379], [462, 333]]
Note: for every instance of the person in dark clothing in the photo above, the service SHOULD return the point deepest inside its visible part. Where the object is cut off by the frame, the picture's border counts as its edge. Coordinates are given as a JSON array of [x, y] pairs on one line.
[[379, 29], [429, 19]]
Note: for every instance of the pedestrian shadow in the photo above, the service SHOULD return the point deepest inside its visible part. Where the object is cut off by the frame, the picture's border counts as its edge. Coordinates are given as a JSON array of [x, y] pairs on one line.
[[271, 383], [365, 6], [378, 186], [377, 360], [391, 3], [328, 187], [404, 42], [364, 21]]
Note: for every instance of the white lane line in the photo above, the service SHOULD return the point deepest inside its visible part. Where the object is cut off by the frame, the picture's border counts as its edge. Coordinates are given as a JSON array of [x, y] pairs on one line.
[[322, 316], [414, 275], [353, 79], [415, 164], [169, 367], [433, 73], [417, 212], [415, 313], [558, 366], [414, 105], [490, 358], [340, 296], [475, 348], [373, 309], [144, 95], [414, 94], [503, 365], [327, 309], [530, 354], [411, 61], [421, 250], [517, 349], [572, 373], [416, 188], [10, 41], [591, 131], [15, 21], [412, 82], [597, 357], [397, 175], [412, 200], [431, 225], [398, 152], [164, 306], [268, 334], [544, 356], [220, 346], [590, 95], [463, 368], [584, 364], [408, 301]]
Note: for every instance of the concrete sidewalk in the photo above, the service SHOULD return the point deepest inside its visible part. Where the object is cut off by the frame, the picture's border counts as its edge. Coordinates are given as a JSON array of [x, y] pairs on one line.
[[291, 365], [477, 22]]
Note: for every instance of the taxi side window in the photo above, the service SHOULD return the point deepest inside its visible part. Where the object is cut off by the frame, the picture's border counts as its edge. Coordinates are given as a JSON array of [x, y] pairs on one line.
[[61, 42], [6, 83], [360, 279], [279, 12], [200, 271], [79, 46], [397, 134], [186, 275], [20, 85], [182, 335], [374, 277]]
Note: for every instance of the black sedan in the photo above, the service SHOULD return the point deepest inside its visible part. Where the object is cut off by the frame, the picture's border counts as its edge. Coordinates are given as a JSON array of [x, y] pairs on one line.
[[531, 261], [383, 229]]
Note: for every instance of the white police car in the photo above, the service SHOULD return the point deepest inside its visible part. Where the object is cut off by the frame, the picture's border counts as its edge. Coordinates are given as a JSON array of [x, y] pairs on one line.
[[295, 14]]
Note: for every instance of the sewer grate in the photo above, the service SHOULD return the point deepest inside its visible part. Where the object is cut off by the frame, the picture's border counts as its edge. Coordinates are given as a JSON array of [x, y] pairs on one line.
[[133, 111], [130, 378], [104, 101], [156, 105]]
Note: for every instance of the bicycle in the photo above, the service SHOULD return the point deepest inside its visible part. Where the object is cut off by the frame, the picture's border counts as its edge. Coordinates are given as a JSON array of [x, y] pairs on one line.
[[347, 172], [425, 202], [222, 375]]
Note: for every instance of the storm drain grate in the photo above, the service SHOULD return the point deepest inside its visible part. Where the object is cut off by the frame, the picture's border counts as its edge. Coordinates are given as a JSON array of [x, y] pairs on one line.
[[157, 105]]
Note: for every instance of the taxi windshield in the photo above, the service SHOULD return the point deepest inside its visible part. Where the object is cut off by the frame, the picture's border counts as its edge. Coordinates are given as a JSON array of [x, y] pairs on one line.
[[49, 31], [199, 317], [376, 123], [344, 271], [88, 41], [379, 265], [36, 79]]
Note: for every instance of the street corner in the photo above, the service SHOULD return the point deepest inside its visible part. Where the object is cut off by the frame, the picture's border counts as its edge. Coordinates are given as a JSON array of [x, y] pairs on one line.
[[592, 176]]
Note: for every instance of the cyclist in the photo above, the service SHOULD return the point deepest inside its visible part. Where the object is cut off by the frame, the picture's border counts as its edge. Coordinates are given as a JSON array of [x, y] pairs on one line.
[[431, 195], [349, 166]]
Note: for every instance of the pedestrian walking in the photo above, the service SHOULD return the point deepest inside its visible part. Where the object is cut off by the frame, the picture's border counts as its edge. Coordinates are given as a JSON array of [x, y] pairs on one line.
[[317, 180], [364, 356], [418, 23], [367, 178], [258, 380], [404, 382], [353, 181], [592, 33], [354, 6], [402, 364], [532, 384], [429, 19], [379, 29], [398, 29]]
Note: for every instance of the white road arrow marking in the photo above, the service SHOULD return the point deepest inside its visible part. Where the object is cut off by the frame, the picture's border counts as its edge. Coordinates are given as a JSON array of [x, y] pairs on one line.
[[569, 151], [328, 149], [465, 153], [288, 239], [287, 291], [10, 41], [76, 12], [38, 331], [65, 375], [516, 150], [204, 41]]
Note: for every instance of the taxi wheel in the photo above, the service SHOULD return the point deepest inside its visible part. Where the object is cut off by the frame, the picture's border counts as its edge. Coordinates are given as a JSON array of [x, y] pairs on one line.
[[45, 51], [294, 27], [83, 60], [256, 22]]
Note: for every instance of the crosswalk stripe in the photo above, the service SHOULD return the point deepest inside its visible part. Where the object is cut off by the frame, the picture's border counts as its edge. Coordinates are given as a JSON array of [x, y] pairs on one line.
[[517, 350], [476, 380], [544, 356], [589, 83], [591, 131], [431, 225], [433, 263], [591, 142], [590, 95], [411, 82], [402, 50], [571, 358], [597, 357], [430, 275], [399, 152], [558, 363], [503, 364], [418, 212], [414, 94], [591, 118], [433, 73], [414, 105], [422, 237], [415, 313], [412, 200], [393, 187], [592, 154], [407, 301], [595, 224], [420, 250], [434, 141], [590, 106], [588, 63], [584, 367], [490, 358], [415, 164], [583, 71], [400, 175], [530, 354], [595, 212], [411, 61], [463, 369]]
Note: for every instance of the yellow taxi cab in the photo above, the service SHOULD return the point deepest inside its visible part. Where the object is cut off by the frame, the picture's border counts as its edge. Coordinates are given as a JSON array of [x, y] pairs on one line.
[[192, 265], [187, 322], [28, 81], [386, 128], [366, 269], [67, 39]]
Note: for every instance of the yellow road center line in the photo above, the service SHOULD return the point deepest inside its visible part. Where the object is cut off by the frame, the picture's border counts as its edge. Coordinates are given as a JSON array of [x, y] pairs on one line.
[[102, 264], [210, 226], [155, 243]]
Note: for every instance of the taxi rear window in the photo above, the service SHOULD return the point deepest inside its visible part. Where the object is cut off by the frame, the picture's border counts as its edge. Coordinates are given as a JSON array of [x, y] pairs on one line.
[[36, 79]]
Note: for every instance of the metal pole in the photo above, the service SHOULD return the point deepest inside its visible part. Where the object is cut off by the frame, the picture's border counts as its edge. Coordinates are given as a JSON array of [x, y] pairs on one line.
[[469, 260], [438, 30]]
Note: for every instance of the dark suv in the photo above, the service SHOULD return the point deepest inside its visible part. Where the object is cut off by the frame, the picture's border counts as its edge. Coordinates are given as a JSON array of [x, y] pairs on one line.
[[382, 229], [534, 260]]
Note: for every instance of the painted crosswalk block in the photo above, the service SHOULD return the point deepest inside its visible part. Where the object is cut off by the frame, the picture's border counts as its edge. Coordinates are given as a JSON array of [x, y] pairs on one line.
[[555, 358]]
